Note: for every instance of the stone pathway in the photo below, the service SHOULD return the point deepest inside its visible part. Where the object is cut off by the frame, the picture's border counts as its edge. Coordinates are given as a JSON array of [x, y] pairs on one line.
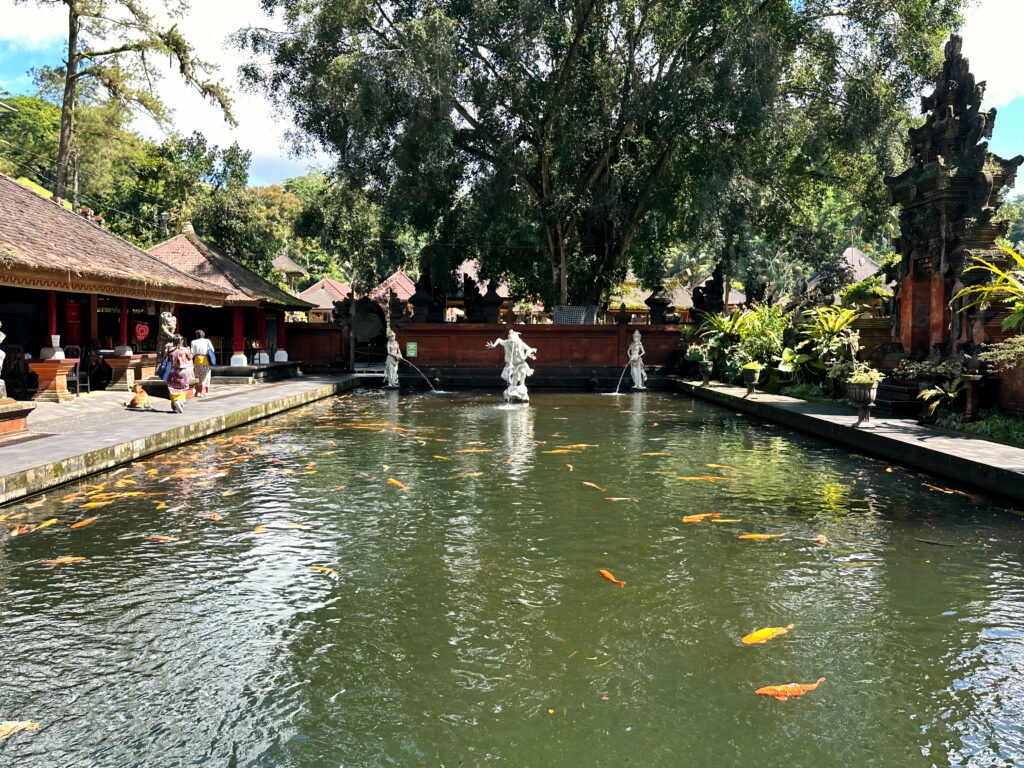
[[94, 432], [951, 457]]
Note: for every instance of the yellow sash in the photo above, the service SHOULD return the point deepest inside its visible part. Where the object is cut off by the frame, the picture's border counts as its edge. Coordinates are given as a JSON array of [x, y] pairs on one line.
[[201, 360]]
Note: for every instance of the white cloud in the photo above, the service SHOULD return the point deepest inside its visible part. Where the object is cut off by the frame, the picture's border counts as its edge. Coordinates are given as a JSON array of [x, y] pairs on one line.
[[991, 35], [31, 27]]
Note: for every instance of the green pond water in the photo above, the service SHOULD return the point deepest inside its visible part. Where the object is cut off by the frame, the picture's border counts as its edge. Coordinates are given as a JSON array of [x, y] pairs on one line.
[[224, 648]]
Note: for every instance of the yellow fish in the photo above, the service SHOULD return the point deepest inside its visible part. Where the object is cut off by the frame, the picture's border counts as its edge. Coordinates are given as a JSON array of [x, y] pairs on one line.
[[398, 484], [763, 536], [35, 504], [656, 453], [161, 505], [260, 529], [475, 474], [764, 635], [476, 450], [96, 504], [558, 450], [579, 446], [440, 458], [290, 524], [721, 466], [83, 523], [569, 466], [324, 569], [162, 539], [700, 517], [707, 478], [11, 727], [63, 560], [46, 523]]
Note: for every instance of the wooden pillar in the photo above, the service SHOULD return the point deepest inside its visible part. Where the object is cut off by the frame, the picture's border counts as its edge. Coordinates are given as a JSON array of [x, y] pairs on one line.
[[261, 327], [124, 322], [280, 331], [238, 338], [51, 314], [94, 319]]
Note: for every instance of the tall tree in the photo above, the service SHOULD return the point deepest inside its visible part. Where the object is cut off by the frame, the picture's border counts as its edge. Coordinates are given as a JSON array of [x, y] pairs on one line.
[[584, 126], [113, 45]]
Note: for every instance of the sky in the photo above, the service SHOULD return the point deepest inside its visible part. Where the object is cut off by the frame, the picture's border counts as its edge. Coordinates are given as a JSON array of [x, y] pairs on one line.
[[31, 36]]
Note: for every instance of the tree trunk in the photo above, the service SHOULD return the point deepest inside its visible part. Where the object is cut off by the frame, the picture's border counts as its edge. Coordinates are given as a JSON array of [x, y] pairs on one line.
[[67, 111], [563, 273]]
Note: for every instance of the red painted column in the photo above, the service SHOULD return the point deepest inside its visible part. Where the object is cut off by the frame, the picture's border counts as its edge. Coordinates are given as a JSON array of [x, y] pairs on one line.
[[124, 322], [238, 340], [261, 327], [51, 314], [280, 331]]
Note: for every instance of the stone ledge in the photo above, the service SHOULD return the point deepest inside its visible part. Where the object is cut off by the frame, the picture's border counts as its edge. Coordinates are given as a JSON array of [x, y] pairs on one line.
[[994, 468], [45, 476]]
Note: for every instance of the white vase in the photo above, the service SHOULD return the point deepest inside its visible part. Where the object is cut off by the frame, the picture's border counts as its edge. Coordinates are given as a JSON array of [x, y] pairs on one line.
[[55, 340]]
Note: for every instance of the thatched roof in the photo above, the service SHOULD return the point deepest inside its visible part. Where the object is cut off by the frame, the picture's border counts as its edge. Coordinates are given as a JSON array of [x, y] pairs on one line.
[[45, 246], [283, 263], [245, 288]]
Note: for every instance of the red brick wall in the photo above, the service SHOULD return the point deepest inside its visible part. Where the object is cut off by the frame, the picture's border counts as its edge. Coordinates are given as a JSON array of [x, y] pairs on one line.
[[315, 344]]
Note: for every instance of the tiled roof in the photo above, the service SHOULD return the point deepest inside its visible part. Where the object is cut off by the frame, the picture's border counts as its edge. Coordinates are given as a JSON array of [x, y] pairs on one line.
[[283, 263], [399, 282], [471, 267], [190, 254], [45, 246], [324, 292]]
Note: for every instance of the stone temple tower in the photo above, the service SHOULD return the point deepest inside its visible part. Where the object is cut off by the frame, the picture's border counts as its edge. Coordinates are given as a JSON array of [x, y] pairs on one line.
[[949, 198]]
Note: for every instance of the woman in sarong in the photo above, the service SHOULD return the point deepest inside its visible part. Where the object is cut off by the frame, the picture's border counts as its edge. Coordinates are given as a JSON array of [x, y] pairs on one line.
[[203, 358], [181, 374]]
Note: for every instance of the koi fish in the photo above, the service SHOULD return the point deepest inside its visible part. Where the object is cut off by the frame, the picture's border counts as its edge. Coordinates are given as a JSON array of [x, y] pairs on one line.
[[612, 579], [260, 529], [821, 539], [475, 474], [291, 524], [83, 523], [764, 635], [727, 520], [71, 496], [214, 516], [324, 569], [35, 504], [440, 458], [569, 466], [595, 486], [63, 560], [617, 498], [707, 478], [96, 504], [399, 485], [656, 453], [475, 450], [557, 450], [763, 536], [46, 523], [789, 690], [21, 530], [161, 505], [700, 517], [339, 487], [161, 539], [11, 727], [721, 466]]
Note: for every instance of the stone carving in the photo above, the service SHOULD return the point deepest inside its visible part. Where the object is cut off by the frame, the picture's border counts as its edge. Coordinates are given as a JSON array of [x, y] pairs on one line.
[[491, 303], [636, 353], [168, 329], [3, 356], [517, 367], [391, 363], [949, 197], [658, 303], [422, 299]]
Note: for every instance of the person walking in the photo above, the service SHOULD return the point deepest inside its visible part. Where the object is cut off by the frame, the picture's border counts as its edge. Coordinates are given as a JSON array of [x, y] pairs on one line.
[[203, 358], [180, 375]]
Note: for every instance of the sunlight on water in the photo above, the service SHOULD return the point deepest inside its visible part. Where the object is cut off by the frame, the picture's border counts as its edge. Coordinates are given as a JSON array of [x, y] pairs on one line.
[[402, 579]]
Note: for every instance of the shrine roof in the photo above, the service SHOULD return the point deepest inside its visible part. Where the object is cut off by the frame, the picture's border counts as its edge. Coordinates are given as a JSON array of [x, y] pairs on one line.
[[283, 263], [189, 253], [324, 292], [399, 282], [45, 246]]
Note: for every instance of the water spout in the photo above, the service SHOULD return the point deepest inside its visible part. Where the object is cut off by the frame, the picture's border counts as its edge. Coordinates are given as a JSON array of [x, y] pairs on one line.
[[429, 383]]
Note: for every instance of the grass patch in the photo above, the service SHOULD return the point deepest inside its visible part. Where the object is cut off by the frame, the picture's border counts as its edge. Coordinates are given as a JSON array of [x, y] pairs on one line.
[[992, 425]]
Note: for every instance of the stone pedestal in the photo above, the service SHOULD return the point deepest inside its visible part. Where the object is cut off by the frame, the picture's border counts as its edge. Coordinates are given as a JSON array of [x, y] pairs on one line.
[[122, 372], [238, 360], [281, 356], [14, 417], [53, 379], [145, 366]]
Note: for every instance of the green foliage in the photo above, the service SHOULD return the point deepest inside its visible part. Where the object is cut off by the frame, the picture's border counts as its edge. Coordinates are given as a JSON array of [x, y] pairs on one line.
[[1001, 285], [1004, 355], [28, 137], [863, 373], [864, 291], [791, 360], [992, 425]]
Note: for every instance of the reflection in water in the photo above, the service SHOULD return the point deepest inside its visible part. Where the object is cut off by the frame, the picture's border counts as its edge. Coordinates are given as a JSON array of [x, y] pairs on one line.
[[468, 624]]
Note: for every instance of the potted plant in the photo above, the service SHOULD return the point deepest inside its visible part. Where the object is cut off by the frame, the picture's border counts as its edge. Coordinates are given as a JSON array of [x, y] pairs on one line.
[[699, 353], [751, 373], [862, 387]]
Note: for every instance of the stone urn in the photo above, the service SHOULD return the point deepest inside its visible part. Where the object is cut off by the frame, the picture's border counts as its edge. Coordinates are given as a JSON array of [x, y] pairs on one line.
[[862, 396], [750, 378], [705, 372]]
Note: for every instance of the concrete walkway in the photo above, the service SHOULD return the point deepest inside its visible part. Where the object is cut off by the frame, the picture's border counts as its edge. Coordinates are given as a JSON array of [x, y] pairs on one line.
[[956, 458], [71, 440]]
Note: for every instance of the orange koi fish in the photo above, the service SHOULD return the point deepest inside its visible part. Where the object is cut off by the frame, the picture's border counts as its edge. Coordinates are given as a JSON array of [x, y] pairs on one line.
[[475, 450], [707, 478], [595, 486], [617, 498], [764, 635], [789, 690], [260, 529], [557, 450], [83, 523], [214, 516], [763, 536], [727, 520], [96, 504], [721, 466], [11, 727], [569, 466], [440, 458], [612, 579], [579, 446], [324, 569], [700, 517], [162, 539], [63, 561], [399, 485]]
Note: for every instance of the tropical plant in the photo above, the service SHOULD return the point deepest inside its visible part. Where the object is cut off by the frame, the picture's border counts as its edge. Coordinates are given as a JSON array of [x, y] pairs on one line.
[[830, 333], [864, 373], [941, 396], [792, 360], [864, 291], [1003, 285]]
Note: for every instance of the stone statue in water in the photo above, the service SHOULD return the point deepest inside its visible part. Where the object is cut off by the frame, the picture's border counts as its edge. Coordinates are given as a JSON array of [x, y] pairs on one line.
[[391, 363], [636, 353], [517, 367]]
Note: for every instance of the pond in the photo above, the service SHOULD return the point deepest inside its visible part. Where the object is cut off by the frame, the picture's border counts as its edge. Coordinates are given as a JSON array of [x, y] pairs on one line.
[[387, 579]]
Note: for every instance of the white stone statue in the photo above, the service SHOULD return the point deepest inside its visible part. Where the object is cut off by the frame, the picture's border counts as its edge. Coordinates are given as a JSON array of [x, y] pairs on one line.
[[636, 354], [3, 356], [517, 367], [391, 362]]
